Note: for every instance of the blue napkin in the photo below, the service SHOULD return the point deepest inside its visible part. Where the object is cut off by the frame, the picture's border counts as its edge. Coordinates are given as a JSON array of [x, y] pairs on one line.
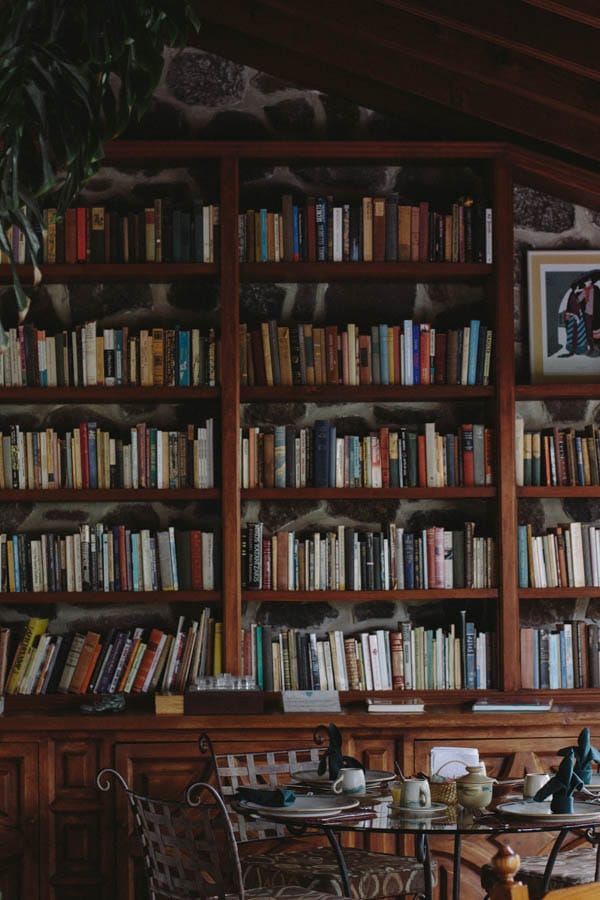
[[562, 786], [584, 755], [266, 796]]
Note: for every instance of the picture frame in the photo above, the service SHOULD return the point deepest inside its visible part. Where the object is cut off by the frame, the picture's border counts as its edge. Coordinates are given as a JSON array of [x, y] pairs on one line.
[[564, 315]]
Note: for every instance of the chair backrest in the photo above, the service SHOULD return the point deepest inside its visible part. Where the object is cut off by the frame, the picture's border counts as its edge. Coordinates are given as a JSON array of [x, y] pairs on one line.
[[506, 866], [273, 767], [189, 848]]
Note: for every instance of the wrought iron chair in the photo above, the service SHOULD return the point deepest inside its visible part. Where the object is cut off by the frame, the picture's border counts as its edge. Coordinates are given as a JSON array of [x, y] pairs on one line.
[[509, 885], [540, 874], [190, 851], [370, 875]]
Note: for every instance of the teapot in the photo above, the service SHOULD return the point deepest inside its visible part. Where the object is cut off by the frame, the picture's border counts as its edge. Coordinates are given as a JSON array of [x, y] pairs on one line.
[[474, 790]]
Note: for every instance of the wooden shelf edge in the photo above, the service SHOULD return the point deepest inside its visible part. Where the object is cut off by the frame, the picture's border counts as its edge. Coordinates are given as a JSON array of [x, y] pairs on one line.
[[85, 598], [358, 596], [103, 394], [97, 495], [347, 393], [312, 493]]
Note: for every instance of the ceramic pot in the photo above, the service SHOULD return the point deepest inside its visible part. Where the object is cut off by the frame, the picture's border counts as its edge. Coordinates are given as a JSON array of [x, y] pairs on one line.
[[474, 789]]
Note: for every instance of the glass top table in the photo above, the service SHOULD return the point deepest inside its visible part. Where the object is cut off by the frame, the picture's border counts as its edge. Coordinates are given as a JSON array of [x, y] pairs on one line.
[[380, 817]]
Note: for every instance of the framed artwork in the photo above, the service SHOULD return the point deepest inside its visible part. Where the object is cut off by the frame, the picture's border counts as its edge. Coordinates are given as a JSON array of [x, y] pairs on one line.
[[564, 315]]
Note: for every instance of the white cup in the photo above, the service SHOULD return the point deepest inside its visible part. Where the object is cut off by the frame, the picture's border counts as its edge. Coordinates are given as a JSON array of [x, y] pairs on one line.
[[532, 782], [414, 792], [350, 781]]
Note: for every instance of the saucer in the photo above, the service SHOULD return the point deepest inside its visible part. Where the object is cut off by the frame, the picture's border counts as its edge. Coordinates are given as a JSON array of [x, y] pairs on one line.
[[435, 809]]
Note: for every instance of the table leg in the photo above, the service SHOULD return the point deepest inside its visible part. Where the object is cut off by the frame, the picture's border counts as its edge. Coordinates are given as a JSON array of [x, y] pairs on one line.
[[552, 858], [334, 840], [456, 866], [424, 856]]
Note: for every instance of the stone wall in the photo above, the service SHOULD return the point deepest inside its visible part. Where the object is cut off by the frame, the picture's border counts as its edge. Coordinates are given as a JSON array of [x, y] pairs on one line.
[[202, 96]]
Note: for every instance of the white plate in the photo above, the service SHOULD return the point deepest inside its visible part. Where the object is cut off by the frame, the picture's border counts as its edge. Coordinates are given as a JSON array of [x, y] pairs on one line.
[[435, 809], [521, 809], [311, 776], [302, 806]]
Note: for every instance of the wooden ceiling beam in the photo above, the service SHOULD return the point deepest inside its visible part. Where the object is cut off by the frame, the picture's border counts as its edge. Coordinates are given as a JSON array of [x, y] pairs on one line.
[[425, 41], [585, 11], [529, 116], [515, 25]]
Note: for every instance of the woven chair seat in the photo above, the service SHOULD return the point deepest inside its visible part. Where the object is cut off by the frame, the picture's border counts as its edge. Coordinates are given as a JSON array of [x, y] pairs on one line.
[[371, 875], [571, 867], [286, 891]]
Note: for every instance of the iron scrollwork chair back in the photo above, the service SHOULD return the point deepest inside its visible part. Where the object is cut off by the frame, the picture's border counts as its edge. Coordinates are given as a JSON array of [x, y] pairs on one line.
[[189, 847]]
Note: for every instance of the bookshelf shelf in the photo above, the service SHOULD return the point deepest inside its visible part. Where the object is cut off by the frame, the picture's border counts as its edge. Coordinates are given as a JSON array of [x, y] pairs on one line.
[[558, 592], [571, 390], [548, 492], [92, 598], [365, 271], [343, 393], [103, 394], [361, 493], [61, 273], [354, 596], [93, 495]]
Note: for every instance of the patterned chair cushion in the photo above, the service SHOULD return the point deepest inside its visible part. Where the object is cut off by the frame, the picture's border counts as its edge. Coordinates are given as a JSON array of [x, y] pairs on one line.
[[571, 867], [372, 875], [288, 891]]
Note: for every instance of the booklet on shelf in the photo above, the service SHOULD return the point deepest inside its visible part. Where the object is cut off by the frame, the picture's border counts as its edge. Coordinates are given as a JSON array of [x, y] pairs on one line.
[[511, 706], [375, 705]]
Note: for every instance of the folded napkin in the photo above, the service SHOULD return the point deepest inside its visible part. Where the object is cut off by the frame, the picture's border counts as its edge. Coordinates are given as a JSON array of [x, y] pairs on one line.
[[584, 755], [266, 796], [333, 759], [562, 786]]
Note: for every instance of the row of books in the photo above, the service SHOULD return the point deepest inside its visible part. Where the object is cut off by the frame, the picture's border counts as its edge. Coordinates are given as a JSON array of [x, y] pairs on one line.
[[376, 229], [107, 558], [285, 456], [408, 354], [91, 355], [409, 658], [158, 233], [557, 456], [349, 559], [136, 660], [561, 655], [88, 457], [565, 556]]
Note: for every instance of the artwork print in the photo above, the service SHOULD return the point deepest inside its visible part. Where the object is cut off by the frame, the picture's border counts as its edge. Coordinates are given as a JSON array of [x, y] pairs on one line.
[[564, 315]]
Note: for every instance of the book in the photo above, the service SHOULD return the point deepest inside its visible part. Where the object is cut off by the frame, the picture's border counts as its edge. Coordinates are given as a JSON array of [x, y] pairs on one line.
[[510, 706], [392, 706]]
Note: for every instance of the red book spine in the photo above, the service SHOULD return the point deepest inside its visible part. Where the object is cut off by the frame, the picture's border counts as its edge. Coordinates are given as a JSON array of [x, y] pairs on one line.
[[425, 335], [466, 433], [430, 537], [71, 235], [81, 215], [384, 450], [196, 559], [85, 455], [440, 357]]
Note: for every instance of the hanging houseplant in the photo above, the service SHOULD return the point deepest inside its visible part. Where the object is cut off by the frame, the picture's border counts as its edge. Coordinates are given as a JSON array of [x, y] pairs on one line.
[[72, 76]]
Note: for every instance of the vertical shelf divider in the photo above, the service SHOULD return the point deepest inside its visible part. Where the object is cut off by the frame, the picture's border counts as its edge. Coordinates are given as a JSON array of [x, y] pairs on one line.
[[508, 599], [230, 415]]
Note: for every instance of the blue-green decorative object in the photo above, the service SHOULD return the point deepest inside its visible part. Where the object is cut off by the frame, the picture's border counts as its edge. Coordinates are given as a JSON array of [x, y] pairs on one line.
[[333, 756], [585, 755], [563, 785]]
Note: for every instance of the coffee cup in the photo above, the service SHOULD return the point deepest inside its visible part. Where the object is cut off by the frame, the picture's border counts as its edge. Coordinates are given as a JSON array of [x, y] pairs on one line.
[[412, 792], [350, 781], [532, 782]]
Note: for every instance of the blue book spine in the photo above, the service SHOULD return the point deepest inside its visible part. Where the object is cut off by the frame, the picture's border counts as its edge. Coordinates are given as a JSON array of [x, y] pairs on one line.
[[579, 458], [416, 353], [383, 355], [409, 560], [93, 454], [119, 379], [183, 358], [264, 245], [563, 658], [16, 567], [259, 657], [536, 658], [473, 349], [554, 660], [279, 442], [135, 563], [321, 228], [522, 556], [322, 438]]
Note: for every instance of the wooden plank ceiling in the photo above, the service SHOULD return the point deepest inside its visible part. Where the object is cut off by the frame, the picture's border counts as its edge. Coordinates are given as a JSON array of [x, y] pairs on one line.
[[525, 71]]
